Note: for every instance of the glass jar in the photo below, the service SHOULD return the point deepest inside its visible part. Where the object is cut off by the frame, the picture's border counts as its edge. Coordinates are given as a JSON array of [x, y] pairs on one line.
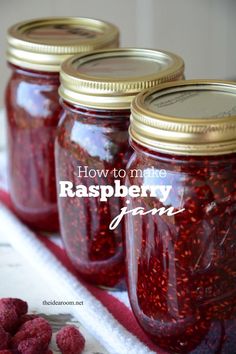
[[181, 235], [36, 50], [92, 150]]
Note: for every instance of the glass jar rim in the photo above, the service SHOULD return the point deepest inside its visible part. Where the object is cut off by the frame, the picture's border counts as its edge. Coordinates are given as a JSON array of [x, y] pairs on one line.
[[111, 78], [44, 43], [186, 134]]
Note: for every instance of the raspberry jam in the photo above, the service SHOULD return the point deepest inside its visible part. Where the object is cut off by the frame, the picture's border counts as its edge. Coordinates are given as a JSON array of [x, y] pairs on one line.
[[36, 50], [99, 141], [33, 111], [182, 268], [97, 89]]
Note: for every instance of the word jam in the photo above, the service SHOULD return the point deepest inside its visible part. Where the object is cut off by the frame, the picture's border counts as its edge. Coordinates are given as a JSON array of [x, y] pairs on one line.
[[141, 211]]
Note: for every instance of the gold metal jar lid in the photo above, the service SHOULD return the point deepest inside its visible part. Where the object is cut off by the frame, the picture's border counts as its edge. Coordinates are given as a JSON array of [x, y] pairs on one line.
[[43, 44], [196, 117], [109, 79]]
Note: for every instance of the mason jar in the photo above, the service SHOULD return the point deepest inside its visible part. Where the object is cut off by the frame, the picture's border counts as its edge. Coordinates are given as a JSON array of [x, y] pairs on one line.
[[181, 225], [92, 150], [36, 49]]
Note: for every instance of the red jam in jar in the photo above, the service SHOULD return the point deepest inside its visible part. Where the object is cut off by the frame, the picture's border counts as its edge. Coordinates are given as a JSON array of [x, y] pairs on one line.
[[181, 235], [92, 143], [36, 50]]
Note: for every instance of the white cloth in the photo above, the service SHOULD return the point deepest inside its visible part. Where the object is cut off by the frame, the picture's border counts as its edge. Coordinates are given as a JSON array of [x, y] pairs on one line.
[[92, 315]]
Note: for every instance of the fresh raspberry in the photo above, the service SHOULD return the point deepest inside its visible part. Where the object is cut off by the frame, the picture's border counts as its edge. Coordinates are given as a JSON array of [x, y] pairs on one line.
[[10, 311], [4, 338], [6, 352], [9, 318], [20, 306], [31, 346], [70, 340], [27, 317], [37, 328]]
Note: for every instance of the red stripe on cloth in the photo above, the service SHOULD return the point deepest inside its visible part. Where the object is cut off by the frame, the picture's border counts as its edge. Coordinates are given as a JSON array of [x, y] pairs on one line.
[[5, 199], [119, 310]]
